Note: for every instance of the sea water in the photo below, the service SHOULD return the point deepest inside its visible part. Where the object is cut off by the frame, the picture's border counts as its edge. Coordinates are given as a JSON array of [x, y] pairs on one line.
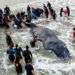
[[44, 62]]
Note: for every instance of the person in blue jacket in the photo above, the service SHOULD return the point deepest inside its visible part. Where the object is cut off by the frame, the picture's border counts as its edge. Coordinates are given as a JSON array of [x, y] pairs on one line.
[[11, 53]]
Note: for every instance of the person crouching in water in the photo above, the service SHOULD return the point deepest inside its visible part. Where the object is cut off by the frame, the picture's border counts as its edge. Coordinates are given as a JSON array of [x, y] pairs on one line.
[[27, 55], [33, 42], [18, 66], [29, 68]]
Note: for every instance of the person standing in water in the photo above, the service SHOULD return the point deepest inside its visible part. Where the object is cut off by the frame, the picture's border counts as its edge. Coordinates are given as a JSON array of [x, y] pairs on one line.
[[68, 10], [73, 32], [1, 18], [27, 55], [9, 40], [18, 66], [18, 52], [45, 10], [61, 11], [49, 5], [11, 53], [29, 13], [29, 68], [7, 10]]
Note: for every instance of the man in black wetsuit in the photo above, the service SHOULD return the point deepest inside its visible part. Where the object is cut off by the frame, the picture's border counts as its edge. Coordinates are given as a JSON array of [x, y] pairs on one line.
[[27, 55], [29, 69]]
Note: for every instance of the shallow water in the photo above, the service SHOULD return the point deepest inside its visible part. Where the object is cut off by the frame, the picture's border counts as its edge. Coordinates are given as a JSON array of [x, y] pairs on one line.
[[45, 62]]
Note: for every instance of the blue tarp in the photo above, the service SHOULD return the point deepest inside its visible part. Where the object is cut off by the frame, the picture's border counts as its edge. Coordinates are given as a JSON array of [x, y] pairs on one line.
[[35, 14]]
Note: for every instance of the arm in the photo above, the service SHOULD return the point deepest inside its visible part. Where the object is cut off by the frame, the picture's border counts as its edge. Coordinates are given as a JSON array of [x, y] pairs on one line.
[[33, 72]]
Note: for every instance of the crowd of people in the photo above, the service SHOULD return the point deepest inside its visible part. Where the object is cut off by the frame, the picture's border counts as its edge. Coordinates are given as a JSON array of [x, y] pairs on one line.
[[6, 17], [18, 57]]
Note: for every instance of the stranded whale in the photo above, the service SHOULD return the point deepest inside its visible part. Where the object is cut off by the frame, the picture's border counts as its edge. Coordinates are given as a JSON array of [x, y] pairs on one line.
[[50, 41]]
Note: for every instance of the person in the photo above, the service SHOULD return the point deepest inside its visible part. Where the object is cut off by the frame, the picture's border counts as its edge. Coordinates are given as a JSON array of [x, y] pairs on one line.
[[23, 14], [9, 40], [1, 18], [48, 5], [29, 69], [68, 10], [32, 43], [27, 54], [6, 21], [7, 10], [73, 32], [29, 12], [11, 53], [18, 66], [61, 10], [39, 12], [12, 17], [53, 13], [18, 52], [18, 20], [27, 19], [45, 10]]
